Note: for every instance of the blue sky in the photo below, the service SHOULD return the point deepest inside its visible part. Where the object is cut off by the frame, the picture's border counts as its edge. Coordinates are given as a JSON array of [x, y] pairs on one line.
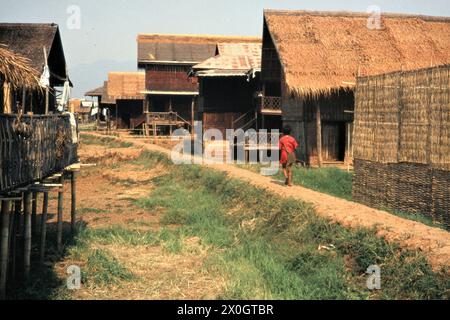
[[107, 37]]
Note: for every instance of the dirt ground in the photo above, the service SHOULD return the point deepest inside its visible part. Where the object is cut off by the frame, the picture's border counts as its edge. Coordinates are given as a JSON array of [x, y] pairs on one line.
[[434, 242], [105, 197]]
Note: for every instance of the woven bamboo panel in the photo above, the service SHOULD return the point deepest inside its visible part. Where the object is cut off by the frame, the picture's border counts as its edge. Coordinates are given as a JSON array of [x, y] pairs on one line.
[[410, 188], [46, 149]]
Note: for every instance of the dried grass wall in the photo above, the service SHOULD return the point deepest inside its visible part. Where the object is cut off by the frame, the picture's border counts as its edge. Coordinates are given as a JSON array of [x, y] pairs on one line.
[[402, 142]]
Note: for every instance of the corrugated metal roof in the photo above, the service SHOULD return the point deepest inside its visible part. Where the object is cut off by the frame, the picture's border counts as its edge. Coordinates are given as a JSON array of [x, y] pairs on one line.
[[236, 57], [94, 92]]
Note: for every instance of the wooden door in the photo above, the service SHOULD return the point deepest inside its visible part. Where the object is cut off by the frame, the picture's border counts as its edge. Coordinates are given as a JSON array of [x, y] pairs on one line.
[[333, 141]]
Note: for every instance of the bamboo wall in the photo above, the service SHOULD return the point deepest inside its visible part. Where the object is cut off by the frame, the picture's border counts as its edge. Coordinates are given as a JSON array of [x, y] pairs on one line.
[[402, 142], [44, 148]]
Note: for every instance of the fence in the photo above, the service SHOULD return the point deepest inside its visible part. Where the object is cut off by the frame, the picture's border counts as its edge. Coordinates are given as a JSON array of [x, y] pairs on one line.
[[402, 142], [34, 148]]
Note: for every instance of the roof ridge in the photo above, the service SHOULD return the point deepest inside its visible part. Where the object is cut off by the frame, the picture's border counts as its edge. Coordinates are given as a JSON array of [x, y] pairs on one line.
[[29, 24], [354, 14], [151, 36]]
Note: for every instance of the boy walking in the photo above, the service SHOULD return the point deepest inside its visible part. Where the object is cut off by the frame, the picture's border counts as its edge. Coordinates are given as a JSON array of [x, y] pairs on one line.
[[287, 145]]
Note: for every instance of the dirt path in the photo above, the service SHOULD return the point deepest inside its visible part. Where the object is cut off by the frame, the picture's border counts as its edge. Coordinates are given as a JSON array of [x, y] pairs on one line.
[[434, 242]]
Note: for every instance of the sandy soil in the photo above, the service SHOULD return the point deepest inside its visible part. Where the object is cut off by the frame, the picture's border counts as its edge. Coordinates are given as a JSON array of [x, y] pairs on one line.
[[434, 242]]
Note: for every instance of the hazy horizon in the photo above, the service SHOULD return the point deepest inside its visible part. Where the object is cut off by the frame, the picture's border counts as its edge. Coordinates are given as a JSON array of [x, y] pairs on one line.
[[106, 37]]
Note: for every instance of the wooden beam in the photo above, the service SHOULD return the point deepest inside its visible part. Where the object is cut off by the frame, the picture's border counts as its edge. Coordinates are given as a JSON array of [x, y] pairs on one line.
[[4, 245], [27, 234], [34, 214], [43, 227], [73, 211], [192, 115], [319, 135], [60, 219]]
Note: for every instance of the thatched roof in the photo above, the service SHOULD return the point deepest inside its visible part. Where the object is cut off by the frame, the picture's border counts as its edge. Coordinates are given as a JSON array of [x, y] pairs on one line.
[[182, 49], [29, 39], [126, 85], [107, 99], [17, 71], [323, 51]]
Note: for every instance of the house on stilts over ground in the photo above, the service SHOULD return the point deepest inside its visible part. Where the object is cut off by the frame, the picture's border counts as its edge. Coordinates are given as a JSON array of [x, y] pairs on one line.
[[38, 143], [125, 89], [170, 93], [121, 101], [229, 86], [310, 62], [28, 132]]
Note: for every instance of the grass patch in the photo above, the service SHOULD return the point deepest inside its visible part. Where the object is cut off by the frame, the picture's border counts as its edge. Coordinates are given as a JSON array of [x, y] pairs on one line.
[[108, 142], [103, 269], [268, 246], [88, 210], [332, 181]]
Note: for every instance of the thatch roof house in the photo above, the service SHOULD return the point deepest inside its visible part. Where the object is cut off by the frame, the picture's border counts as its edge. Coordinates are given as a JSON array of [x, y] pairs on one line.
[[227, 89], [311, 60], [29, 41], [167, 60], [125, 89]]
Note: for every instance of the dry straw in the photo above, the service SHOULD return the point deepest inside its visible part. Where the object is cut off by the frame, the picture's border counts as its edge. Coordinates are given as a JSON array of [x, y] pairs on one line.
[[402, 141], [17, 70]]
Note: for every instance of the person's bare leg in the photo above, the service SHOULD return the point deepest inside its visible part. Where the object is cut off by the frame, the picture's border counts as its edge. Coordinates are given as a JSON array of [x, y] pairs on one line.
[[290, 176], [286, 176]]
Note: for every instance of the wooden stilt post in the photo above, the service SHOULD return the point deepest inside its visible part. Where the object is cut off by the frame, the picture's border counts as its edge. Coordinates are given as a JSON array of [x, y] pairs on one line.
[[27, 234], [43, 227], [192, 116], [6, 213], [46, 88], [73, 211], [319, 135], [60, 217], [15, 229], [34, 214]]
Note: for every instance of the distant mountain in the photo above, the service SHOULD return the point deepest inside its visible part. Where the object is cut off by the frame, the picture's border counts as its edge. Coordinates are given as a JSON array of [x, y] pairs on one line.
[[90, 76]]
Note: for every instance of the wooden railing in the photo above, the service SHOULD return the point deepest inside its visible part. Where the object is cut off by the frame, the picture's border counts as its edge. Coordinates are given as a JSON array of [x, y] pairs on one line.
[[271, 103], [34, 148], [245, 121], [165, 118]]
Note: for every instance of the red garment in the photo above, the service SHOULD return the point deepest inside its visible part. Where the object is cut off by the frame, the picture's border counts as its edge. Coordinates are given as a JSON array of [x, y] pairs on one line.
[[286, 143]]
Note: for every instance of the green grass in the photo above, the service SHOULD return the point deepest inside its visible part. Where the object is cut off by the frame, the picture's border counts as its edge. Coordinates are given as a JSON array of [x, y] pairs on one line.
[[265, 246], [103, 269], [108, 142], [277, 256], [87, 210], [332, 181]]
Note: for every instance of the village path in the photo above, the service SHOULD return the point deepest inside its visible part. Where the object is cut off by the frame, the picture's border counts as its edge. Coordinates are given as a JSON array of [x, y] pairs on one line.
[[434, 242]]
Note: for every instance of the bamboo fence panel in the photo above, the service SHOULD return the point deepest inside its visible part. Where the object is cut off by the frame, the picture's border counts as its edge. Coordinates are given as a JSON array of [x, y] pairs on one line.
[[27, 157], [402, 142]]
